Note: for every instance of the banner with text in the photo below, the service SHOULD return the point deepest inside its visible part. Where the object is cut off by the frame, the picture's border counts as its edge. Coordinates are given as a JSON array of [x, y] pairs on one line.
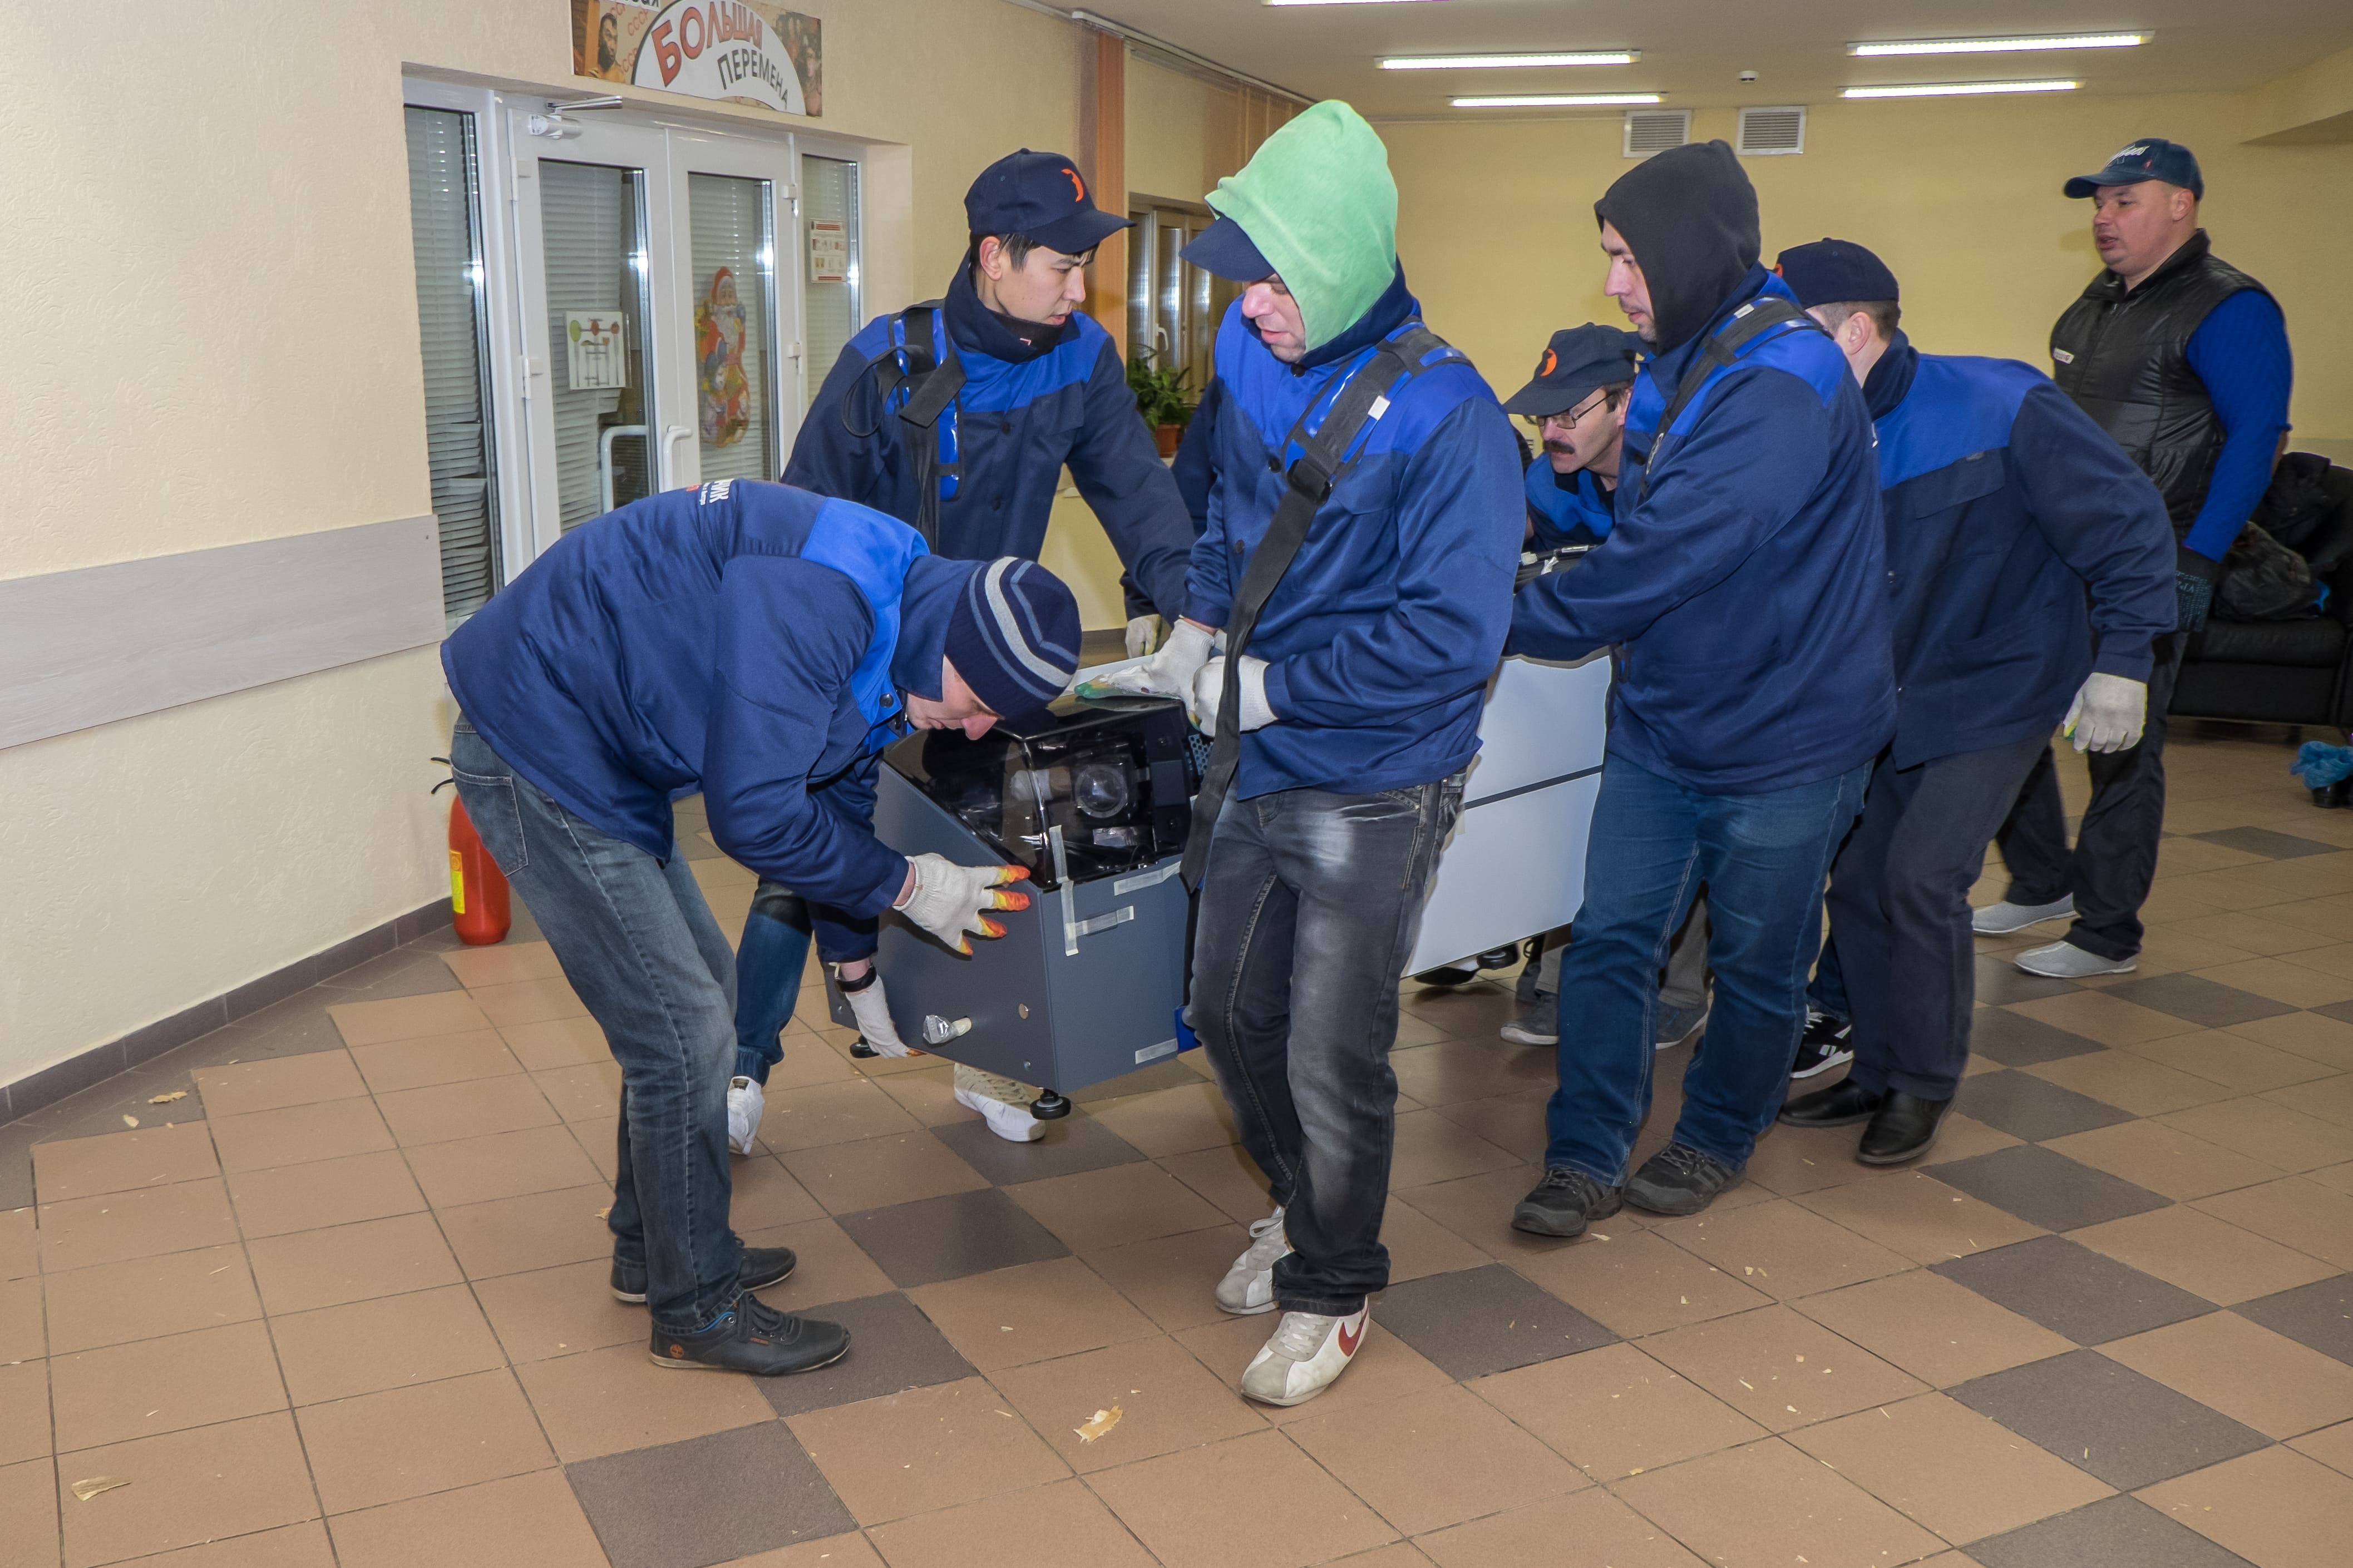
[[730, 49]]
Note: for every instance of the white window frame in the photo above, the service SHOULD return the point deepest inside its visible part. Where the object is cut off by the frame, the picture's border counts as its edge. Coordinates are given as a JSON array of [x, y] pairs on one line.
[[805, 146]]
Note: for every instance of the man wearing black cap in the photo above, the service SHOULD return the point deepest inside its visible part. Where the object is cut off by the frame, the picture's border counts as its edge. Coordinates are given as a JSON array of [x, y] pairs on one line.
[[2007, 510], [2184, 360], [1745, 584], [965, 434]]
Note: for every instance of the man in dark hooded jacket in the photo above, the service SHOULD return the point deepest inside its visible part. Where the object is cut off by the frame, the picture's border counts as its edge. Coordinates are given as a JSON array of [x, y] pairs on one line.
[[1744, 583]]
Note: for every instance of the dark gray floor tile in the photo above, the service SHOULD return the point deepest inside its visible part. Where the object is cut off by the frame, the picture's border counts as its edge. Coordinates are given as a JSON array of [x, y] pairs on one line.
[[2114, 1533], [2072, 1291], [2045, 1188], [948, 1238], [1076, 1142], [2017, 1041], [1483, 1321], [2319, 1314], [2206, 1003], [1170, 1074], [36, 1093], [2000, 981], [355, 951], [2340, 1011], [708, 1500], [404, 971], [2263, 841], [300, 1023], [2034, 1109], [102, 1109], [2108, 1420], [892, 1347], [17, 1140]]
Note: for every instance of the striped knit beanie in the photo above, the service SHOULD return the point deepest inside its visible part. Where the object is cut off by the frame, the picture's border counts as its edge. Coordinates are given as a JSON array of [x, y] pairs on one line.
[[1014, 636]]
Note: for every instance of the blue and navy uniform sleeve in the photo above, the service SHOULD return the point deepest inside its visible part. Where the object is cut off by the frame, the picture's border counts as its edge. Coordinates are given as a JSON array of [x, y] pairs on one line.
[[829, 455], [2104, 518], [1120, 476], [2240, 351]]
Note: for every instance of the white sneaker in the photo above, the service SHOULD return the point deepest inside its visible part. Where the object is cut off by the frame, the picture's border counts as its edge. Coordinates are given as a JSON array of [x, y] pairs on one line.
[[1011, 1123], [1305, 1355], [745, 1103], [1248, 1287], [2002, 918], [2065, 960]]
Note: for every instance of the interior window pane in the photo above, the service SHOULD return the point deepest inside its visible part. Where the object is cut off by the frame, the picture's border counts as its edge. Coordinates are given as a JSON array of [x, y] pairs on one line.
[[1168, 233], [445, 225], [734, 335], [593, 221], [1140, 317], [832, 306]]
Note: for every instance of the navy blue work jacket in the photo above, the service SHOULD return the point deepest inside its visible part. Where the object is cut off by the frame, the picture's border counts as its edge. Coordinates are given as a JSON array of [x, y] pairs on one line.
[[1567, 509]]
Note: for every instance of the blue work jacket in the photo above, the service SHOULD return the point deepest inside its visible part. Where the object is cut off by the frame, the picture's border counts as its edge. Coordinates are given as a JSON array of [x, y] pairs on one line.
[[1567, 509]]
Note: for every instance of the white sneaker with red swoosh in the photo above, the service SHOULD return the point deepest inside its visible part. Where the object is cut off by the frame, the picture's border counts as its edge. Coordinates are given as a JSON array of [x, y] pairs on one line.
[[1307, 1352]]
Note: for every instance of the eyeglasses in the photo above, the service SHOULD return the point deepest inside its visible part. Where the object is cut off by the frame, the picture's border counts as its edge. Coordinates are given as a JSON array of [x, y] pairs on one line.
[[1565, 420]]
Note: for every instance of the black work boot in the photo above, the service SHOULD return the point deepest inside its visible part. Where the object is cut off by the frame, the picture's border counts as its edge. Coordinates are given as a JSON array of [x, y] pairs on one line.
[[1904, 1128], [1564, 1203], [762, 1266], [1680, 1180], [1840, 1105], [753, 1336]]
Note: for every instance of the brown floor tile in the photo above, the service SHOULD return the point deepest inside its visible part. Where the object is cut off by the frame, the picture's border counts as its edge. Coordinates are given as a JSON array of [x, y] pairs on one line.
[[2186, 1247], [928, 1095], [2295, 1213], [1789, 1161], [1782, 1250], [2332, 1445], [26, 1417], [2164, 1159], [1227, 1178], [538, 1230], [85, 1232], [147, 1297], [559, 1311], [1947, 1468], [382, 1447], [604, 1401], [829, 1268], [1173, 1280], [810, 1060], [19, 1246], [1014, 1316], [298, 1134], [441, 1113], [1060, 1523], [927, 1448], [151, 1386], [1960, 1137], [2252, 932], [1463, 1070], [1767, 1503], [557, 1043], [1479, 1210], [502, 1165], [1638, 1283], [503, 963], [2335, 1178], [1255, 1499], [2110, 1020], [2294, 981], [1385, 1368], [232, 1479], [2129, 1080], [344, 1262], [323, 1192], [2269, 1382], [2331, 1100], [300, 1545], [521, 1001], [875, 1173], [2237, 1064], [1172, 1120], [590, 1091], [28, 1510], [1117, 1203], [1586, 1530], [1513, 1123], [362, 1347], [408, 1017], [2264, 1129], [2327, 1041], [22, 1337], [1398, 1554], [120, 1162], [1919, 1217], [1168, 1400], [526, 1522], [436, 1059], [833, 1551], [762, 1196], [1780, 1370], [817, 1114], [1429, 1148], [1615, 1412], [1436, 1458], [239, 1089], [1419, 1247], [2274, 1507]]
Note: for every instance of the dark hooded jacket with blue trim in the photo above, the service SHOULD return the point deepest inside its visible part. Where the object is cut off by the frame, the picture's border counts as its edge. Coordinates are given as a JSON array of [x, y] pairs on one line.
[[1027, 408], [1381, 636], [2004, 503], [1748, 588], [1567, 509], [746, 639]]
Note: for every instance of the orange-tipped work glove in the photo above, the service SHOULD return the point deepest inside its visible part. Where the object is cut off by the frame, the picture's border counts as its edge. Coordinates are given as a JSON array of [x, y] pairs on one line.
[[949, 900]]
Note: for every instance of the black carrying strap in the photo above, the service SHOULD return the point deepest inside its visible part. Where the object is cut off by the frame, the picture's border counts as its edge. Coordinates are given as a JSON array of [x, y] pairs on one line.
[[1723, 346], [1323, 458], [931, 383]]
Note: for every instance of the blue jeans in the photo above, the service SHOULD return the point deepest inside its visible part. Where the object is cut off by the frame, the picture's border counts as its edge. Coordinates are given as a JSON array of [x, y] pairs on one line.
[[771, 959], [638, 944], [1653, 842]]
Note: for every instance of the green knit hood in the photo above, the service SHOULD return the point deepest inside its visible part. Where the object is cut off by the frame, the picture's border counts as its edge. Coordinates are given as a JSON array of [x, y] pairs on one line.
[[1318, 201]]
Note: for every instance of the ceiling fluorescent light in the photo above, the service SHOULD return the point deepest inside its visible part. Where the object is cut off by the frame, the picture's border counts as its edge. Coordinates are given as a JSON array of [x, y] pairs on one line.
[[1557, 100], [2000, 46], [1501, 62], [1956, 89]]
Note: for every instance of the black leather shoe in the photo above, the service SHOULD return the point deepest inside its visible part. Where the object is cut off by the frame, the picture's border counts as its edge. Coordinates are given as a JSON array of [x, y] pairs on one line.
[[752, 1336], [762, 1266], [1903, 1128], [1842, 1103], [1679, 1180], [1564, 1204]]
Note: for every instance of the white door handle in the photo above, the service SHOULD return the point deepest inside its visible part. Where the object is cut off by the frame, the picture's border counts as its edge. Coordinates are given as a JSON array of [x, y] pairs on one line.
[[670, 435]]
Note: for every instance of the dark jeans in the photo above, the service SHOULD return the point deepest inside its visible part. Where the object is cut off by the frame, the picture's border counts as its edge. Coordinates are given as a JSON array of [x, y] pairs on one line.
[[2115, 859], [1653, 842], [771, 960], [638, 944], [1310, 905], [1899, 907]]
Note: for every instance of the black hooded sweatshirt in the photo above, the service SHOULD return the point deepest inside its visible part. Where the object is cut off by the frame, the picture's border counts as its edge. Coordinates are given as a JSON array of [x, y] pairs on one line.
[[1689, 214]]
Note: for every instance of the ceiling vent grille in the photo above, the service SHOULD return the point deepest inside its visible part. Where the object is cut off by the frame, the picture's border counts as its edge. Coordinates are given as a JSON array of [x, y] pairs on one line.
[[1766, 132], [1650, 131]]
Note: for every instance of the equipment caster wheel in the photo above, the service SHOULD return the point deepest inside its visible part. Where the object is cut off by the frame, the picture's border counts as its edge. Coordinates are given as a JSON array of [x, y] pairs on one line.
[[1051, 1107]]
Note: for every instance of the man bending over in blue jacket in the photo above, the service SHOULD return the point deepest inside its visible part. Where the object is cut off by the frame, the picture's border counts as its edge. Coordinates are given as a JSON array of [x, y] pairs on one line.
[[759, 643], [1745, 581]]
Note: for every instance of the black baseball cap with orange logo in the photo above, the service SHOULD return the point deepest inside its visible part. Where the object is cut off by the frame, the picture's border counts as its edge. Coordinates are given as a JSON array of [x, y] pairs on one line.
[[1042, 195], [1576, 361]]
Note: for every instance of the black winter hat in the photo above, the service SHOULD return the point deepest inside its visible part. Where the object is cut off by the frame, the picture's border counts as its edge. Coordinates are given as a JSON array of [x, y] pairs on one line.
[[1014, 636], [1835, 272], [1689, 214]]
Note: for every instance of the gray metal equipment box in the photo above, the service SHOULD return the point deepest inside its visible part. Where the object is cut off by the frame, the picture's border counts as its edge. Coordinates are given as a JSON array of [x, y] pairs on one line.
[[1094, 797]]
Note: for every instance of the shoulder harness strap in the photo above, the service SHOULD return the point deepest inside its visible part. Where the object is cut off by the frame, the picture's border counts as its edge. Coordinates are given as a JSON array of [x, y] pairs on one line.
[[1722, 348]]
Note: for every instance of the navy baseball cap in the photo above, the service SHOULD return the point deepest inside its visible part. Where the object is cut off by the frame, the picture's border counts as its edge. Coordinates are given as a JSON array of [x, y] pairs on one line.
[[1576, 361], [1834, 273], [2149, 158], [1039, 194], [1224, 250]]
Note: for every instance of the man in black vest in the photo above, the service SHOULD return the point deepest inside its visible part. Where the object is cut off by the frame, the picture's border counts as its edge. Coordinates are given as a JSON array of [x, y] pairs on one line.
[[2184, 360]]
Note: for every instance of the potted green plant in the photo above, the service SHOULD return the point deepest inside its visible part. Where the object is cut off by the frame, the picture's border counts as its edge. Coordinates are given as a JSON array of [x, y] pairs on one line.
[[1162, 398]]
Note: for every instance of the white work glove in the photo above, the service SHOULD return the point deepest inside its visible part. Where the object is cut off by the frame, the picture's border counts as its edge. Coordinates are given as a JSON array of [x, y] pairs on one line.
[[1169, 672], [1143, 636], [1209, 693], [872, 1008], [2108, 714], [947, 900]]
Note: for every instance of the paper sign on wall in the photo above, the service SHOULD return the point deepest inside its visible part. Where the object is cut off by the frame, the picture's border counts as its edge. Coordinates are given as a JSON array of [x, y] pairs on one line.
[[828, 251], [744, 52], [597, 350]]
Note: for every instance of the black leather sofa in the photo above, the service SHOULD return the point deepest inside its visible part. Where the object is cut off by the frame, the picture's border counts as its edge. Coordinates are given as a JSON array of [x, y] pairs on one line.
[[2283, 672]]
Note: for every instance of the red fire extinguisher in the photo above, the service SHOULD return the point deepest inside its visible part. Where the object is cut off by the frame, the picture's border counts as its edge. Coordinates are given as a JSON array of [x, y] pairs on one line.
[[478, 888]]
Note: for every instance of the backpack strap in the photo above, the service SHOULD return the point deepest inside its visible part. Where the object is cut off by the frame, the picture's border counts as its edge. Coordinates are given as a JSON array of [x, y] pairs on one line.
[[921, 371], [1722, 348]]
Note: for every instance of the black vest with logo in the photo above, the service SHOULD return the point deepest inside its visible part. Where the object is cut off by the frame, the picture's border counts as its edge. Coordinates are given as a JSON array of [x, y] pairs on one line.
[[2125, 359]]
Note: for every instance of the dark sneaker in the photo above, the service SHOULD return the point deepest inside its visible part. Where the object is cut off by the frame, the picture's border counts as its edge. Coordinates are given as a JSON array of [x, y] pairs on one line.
[[752, 1336], [1449, 975], [1564, 1204], [1679, 1180], [1827, 1042], [1538, 1024], [762, 1266]]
